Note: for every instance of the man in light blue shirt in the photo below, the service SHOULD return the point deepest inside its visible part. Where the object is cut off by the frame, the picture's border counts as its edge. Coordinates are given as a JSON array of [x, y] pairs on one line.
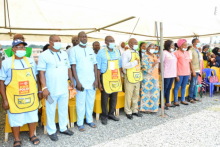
[[83, 62], [54, 69], [96, 47], [102, 62]]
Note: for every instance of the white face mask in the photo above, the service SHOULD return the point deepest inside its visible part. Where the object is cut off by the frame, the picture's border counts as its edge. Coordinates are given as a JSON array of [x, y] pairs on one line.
[[152, 51], [184, 49], [171, 49]]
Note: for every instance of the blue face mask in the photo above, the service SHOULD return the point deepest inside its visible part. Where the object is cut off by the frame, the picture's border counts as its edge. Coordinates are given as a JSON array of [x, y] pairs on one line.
[[143, 51], [198, 45], [83, 44], [57, 45], [111, 45], [135, 47], [20, 53], [156, 51]]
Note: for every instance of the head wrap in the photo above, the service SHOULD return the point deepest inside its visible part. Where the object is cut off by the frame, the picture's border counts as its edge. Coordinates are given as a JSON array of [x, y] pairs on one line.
[[180, 42], [147, 44]]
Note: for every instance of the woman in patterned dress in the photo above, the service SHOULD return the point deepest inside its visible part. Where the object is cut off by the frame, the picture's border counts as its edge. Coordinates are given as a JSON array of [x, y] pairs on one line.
[[149, 98]]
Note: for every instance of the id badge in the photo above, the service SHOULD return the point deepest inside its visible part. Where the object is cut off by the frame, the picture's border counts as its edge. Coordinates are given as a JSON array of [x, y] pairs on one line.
[[112, 66]]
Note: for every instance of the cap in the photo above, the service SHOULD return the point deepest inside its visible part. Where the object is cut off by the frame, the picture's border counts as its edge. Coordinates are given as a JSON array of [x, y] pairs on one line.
[[17, 42]]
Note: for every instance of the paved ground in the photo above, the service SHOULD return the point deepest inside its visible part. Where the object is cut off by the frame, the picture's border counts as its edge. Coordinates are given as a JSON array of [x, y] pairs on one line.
[[194, 125]]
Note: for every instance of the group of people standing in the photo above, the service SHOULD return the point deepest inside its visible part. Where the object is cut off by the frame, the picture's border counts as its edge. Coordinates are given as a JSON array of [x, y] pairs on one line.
[[23, 83]]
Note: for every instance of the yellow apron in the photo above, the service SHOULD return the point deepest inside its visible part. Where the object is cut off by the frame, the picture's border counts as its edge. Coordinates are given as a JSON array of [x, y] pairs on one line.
[[134, 74], [22, 90], [112, 77]]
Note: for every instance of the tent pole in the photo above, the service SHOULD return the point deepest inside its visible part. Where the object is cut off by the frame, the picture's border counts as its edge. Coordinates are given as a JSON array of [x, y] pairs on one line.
[[8, 17], [161, 71], [133, 29], [5, 14], [210, 44], [157, 33]]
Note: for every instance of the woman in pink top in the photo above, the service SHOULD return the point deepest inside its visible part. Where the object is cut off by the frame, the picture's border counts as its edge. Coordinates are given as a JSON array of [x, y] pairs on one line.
[[170, 68], [183, 71]]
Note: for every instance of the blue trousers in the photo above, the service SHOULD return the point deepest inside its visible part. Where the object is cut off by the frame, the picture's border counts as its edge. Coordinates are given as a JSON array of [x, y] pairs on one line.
[[192, 87], [62, 101], [168, 82], [84, 105], [183, 82]]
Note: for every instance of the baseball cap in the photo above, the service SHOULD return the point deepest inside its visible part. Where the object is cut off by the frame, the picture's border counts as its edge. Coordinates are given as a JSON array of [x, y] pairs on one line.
[[17, 42]]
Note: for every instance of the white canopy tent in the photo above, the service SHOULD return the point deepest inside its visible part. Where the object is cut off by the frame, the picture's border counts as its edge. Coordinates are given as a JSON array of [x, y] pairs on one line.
[[38, 19]]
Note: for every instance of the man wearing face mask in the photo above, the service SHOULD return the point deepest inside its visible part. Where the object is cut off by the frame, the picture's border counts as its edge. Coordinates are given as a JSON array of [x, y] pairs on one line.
[[9, 52], [18, 88], [195, 66], [83, 62], [132, 78], [54, 68], [109, 73]]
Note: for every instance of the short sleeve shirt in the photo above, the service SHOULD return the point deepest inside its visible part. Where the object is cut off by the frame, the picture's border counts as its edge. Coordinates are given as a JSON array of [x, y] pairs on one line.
[[55, 65], [183, 60], [85, 59], [170, 64]]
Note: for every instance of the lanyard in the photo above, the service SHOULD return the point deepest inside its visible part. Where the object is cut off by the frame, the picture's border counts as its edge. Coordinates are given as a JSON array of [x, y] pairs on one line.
[[110, 54]]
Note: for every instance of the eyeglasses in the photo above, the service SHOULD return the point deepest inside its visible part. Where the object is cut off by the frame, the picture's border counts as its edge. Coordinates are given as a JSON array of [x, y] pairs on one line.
[[19, 47], [75, 40]]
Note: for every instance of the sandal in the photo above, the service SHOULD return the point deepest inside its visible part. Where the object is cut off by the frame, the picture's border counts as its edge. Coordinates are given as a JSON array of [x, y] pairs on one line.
[[197, 100], [35, 140], [92, 125], [81, 128], [192, 101], [17, 142]]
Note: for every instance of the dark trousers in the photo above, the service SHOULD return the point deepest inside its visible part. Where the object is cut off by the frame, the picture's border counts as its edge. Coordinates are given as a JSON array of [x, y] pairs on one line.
[[168, 82], [104, 102]]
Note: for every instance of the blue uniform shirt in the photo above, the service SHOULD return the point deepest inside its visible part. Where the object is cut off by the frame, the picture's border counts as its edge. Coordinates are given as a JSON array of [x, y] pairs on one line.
[[102, 60], [5, 71], [84, 58], [55, 65]]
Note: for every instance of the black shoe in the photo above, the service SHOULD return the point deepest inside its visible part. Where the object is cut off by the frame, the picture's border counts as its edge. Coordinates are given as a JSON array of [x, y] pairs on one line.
[[129, 116], [113, 118], [67, 132], [104, 121], [166, 108], [137, 114], [53, 137]]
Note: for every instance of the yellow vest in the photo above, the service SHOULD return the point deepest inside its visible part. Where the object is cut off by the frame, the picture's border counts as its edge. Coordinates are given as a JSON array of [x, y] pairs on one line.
[[22, 90], [134, 74], [112, 77]]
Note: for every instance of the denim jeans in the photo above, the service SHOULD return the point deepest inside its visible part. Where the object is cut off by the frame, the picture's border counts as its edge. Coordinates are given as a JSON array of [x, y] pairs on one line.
[[183, 82], [168, 82], [192, 87]]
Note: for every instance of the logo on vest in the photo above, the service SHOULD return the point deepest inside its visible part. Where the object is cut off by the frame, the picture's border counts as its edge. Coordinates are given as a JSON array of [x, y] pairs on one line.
[[137, 76], [137, 67], [115, 74], [115, 85], [24, 100], [28, 74], [23, 87]]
